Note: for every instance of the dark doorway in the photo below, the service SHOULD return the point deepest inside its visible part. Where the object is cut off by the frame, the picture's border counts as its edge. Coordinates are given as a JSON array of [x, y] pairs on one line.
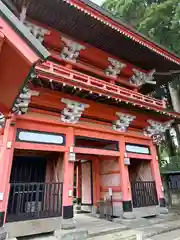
[[143, 188], [30, 196], [27, 169]]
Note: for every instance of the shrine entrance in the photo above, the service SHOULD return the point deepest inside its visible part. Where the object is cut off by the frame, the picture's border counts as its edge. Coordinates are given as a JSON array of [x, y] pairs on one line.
[[33, 194], [143, 187], [95, 157]]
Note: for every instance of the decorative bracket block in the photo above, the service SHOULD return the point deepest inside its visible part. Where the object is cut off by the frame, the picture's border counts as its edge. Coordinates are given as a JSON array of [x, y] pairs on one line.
[[114, 68], [71, 50], [2, 120], [37, 32], [139, 78], [123, 122], [73, 111], [156, 130], [23, 100]]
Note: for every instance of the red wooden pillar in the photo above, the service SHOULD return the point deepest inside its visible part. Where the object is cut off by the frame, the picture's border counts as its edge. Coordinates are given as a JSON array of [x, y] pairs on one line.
[[6, 157], [124, 181], [78, 183], [68, 181], [97, 171], [156, 175], [95, 182]]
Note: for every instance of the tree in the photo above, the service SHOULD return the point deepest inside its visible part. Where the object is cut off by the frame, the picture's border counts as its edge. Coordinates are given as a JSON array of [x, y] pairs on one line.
[[157, 19], [131, 11], [160, 21]]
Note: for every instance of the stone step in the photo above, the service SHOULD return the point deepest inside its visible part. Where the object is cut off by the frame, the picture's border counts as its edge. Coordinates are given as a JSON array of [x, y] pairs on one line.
[[124, 235]]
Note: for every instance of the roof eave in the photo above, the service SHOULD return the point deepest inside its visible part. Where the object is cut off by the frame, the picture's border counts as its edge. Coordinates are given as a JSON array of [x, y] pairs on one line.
[[19, 27], [122, 28]]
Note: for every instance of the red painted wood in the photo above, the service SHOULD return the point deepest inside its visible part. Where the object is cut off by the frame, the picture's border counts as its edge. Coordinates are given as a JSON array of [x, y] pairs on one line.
[[114, 188], [16, 59], [41, 147], [81, 66], [95, 151], [113, 200], [6, 157], [139, 156], [124, 173], [50, 99], [110, 172], [61, 74], [156, 171], [68, 171]]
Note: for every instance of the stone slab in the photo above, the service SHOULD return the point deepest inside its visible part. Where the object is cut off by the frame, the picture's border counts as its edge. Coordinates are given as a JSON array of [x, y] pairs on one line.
[[173, 235], [3, 233], [125, 235], [164, 227], [146, 211], [32, 227], [97, 226], [80, 234], [133, 223]]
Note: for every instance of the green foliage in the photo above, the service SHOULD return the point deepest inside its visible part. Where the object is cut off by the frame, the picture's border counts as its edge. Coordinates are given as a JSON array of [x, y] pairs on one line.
[[159, 20], [172, 164], [176, 82], [161, 23], [131, 11]]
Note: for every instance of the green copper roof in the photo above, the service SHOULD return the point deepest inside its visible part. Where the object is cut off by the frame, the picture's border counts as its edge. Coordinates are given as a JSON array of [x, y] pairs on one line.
[[22, 30]]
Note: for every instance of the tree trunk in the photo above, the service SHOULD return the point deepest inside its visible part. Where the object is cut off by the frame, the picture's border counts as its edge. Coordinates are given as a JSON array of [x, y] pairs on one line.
[[175, 100]]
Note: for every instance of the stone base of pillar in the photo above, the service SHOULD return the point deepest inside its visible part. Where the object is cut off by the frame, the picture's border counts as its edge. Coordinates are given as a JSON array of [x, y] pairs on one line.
[[128, 210], [163, 210], [68, 224], [128, 215], [78, 207], [3, 233], [94, 210]]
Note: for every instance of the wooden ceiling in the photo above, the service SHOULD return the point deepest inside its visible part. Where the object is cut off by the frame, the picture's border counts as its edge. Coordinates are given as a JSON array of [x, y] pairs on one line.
[[65, 18]]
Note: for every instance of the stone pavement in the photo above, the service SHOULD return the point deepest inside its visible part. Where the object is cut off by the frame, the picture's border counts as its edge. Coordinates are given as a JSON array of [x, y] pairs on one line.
[[173, 235], [162, 227], [96, 226]]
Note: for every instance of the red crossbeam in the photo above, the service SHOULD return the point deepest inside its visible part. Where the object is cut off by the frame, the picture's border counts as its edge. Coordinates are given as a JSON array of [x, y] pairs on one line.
[[58, 73]]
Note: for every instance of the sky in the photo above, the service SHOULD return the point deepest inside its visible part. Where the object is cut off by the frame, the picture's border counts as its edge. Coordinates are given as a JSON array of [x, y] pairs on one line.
[[98, 2]]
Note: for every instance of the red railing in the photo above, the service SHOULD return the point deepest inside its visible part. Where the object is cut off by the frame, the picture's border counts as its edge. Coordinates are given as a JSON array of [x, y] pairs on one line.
[[56, 72]]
